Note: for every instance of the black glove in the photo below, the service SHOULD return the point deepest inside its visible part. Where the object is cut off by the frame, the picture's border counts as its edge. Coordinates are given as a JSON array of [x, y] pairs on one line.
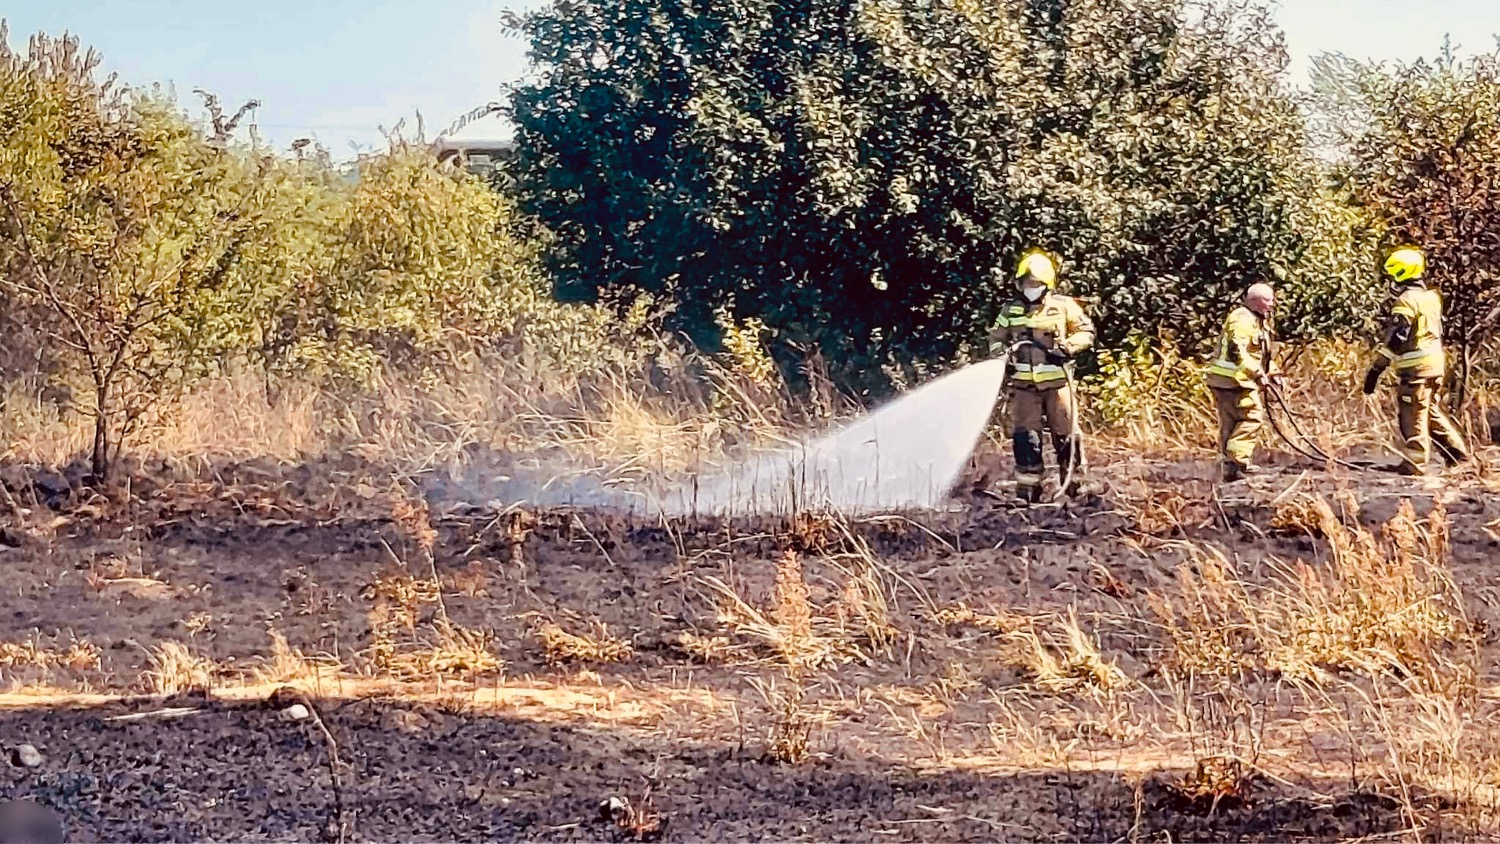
[[1372, 379], [1057, 355]]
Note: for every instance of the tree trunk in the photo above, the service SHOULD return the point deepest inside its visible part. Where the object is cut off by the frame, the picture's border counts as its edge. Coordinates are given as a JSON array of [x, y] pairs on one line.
[[99, 462], [1461, 383]]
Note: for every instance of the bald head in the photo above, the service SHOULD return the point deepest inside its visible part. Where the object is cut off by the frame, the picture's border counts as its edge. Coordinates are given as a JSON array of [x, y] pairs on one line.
[[1261, 299]]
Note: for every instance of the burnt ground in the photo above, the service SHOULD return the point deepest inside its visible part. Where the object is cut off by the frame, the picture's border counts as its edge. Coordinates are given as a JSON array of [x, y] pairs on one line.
[[916, 728]]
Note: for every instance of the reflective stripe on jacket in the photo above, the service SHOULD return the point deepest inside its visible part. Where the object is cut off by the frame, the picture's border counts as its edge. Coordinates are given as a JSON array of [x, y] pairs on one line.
[[1244, 351], [1056, 320], [1420, 354]]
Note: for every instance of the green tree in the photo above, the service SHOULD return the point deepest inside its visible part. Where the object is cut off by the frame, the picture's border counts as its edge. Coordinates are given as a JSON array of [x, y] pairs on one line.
[[1423, 161], [850, 172], [121, 228], [405, 261]]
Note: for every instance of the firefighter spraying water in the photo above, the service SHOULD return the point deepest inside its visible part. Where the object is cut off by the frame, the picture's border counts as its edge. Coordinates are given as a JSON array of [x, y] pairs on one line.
[[909, 454]]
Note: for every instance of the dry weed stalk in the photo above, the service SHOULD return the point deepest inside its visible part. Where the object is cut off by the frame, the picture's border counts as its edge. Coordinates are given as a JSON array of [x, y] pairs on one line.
[[518, 527], [789, 737], [413, 519], [792, 607], [561, 647]]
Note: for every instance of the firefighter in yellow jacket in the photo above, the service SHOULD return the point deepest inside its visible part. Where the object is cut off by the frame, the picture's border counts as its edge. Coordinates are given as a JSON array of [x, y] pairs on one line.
[[1042, 330], [1413, 345], [1239, 372]]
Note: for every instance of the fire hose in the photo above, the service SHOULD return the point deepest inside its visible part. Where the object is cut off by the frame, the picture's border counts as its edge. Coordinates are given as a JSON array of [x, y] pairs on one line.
[[1307, 448]]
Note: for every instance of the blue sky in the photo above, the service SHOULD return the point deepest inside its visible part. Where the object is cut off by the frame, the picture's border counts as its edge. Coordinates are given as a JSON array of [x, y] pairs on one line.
[[337, 69]]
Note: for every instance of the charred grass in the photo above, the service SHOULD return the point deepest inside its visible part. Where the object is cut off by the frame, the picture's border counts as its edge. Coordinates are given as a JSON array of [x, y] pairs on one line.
[[1334, 653]]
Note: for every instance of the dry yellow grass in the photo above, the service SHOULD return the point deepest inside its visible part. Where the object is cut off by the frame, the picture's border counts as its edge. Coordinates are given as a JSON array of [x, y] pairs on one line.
[[290, 666], [560, 647], [175, 669], [1378, 606], [32, 653], [451, 651]]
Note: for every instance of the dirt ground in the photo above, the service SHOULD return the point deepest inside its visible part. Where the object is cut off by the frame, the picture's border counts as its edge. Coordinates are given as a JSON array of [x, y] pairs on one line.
[[157, 638]]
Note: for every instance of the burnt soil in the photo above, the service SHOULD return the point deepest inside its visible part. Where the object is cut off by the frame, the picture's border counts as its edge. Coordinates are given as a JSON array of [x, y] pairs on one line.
[[902, 747]]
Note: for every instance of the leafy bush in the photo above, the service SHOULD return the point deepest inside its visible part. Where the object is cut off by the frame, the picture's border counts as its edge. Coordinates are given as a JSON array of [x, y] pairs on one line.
[[123, 226], [851, 172], [1149, 392], [1423, 145], [148, 251]]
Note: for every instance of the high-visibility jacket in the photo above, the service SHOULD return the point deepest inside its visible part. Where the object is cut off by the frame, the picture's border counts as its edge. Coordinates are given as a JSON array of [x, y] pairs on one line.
[[1244, 352], [1054, 322], [1414, 336]]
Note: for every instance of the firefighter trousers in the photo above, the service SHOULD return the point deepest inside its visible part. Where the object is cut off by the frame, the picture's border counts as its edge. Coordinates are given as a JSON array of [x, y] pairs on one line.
[[1032, 411], [1241, 415], [1424, 425]]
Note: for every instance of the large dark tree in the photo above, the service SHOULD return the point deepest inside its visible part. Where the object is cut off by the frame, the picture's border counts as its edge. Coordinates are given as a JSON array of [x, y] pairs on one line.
[[1423, 158], [851, 170]]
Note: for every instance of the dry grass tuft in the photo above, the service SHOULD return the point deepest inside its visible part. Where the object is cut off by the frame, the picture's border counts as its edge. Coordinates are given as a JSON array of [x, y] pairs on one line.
[[561, 647], [458, 652], [1072, 665], [1215, 781], [1302, 514], [1062, 662], [705, 649], [764, 634], [864, 608], [814, 533], [287, 664], [176, 669], [1163, 512], [1002, 622], [1380, 606], [78, 655]]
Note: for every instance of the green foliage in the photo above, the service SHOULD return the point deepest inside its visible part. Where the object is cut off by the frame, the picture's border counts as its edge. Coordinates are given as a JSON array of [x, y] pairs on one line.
[[850, 172], [412, 260], [1423, 144], [151, 250], [122, 226], [1147, 388]]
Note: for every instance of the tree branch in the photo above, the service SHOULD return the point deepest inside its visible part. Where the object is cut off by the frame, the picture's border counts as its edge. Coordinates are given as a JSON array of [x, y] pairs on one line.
[[49, 291]]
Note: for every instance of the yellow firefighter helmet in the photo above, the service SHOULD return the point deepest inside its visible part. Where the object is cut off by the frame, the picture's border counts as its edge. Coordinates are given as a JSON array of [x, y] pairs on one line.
[[1038, 265], [1406, 264]]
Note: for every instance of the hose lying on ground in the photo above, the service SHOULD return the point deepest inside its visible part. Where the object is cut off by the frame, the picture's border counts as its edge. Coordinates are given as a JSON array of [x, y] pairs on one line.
[[1308, 448]]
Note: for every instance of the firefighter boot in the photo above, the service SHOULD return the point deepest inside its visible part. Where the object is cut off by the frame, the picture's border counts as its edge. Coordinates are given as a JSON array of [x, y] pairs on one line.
[[1070, 468], [1030, 470]]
